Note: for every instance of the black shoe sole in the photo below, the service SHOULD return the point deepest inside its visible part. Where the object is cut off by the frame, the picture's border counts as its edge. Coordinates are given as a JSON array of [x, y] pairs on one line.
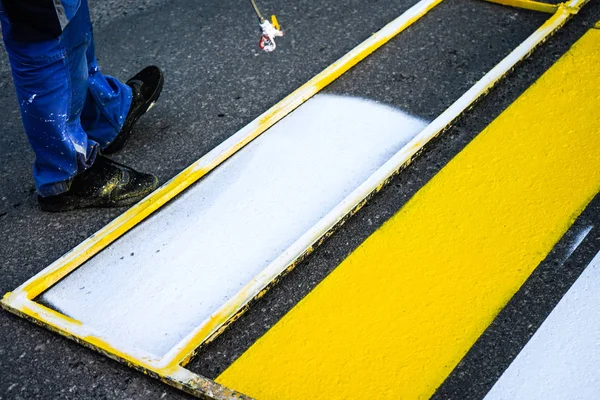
[[70, 203]]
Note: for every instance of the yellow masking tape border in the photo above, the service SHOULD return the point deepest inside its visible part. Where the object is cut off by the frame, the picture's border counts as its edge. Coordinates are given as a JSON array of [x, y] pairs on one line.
[[168, 368], [176, 376]]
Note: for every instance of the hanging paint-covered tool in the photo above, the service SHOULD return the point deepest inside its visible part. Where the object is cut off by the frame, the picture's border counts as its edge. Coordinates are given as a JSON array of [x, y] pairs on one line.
[[270, 30]]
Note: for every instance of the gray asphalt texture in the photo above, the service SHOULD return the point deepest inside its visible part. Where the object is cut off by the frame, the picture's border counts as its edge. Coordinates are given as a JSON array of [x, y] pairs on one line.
[[217, 81]]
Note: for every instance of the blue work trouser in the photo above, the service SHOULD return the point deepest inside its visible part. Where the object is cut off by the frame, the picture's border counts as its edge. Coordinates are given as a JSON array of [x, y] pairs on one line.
[[69, 109]]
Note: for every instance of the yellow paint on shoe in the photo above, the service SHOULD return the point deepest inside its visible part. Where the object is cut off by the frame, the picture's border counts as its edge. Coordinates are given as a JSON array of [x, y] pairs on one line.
[[394, 319]]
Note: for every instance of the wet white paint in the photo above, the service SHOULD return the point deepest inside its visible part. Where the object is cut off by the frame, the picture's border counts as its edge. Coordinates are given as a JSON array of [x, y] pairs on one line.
[[167, 275], [562, 359]]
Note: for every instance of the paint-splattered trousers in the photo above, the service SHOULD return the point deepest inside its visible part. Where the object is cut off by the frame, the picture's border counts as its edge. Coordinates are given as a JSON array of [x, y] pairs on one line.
[[69, 109]]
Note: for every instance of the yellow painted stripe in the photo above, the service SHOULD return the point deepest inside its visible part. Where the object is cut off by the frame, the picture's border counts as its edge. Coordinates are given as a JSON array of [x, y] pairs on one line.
[[399, 313]]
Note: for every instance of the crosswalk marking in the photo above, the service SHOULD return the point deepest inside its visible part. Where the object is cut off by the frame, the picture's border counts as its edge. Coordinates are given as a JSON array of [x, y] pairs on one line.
[[395, 317], [561, 360]]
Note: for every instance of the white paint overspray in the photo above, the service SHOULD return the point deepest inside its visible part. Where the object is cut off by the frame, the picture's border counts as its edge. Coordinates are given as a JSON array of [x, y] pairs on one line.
[[575, 242], [162, 279], [561, 360], [579, 239]]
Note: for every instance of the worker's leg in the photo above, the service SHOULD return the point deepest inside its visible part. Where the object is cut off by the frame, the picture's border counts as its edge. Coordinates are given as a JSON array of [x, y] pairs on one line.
[[108, 100], [112, 108], [54, 85], [51, 80]]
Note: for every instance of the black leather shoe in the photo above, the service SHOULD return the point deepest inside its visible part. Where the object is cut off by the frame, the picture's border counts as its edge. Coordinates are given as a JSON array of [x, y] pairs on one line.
[[105, 184], [146, 87]]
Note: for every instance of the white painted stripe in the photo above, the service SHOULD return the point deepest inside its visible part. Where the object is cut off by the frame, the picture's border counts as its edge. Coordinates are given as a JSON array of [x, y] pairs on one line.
[[169, 274], [562, 360]]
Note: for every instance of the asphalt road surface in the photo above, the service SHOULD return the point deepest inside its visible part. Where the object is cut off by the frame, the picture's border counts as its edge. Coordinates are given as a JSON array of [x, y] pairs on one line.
[[217, 80]]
